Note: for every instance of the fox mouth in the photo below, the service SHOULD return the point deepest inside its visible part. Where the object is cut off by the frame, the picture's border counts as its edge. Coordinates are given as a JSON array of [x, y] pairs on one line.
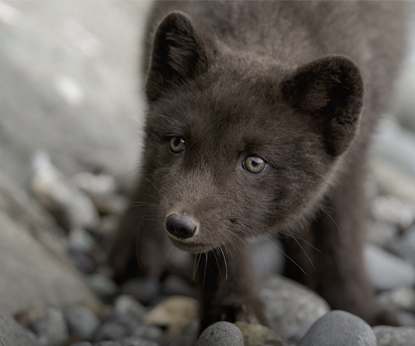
[[192, 247]]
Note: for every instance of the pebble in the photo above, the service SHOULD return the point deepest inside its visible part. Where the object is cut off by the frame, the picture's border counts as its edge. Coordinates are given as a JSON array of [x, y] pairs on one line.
[[134, 341], [387, 271], [339, 328], [81, 321], [107, 343], [401, 298], [395, 336], [102, 285], [71, 206], [406, 318], [83, 343], [406, 246], [221, 334], [82, 261], [393, 210], [53, 330], [394, 144], [144, 289], [174, 285], [383, 234], [291, 307], [111, 331], [128, 305], [81, 240], [150, 332], [258, 335], [174, 314]]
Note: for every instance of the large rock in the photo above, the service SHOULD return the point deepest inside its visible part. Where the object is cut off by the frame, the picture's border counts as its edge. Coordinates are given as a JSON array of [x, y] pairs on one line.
[[68, 85], [12, 334], [292, 308], [33, 266]]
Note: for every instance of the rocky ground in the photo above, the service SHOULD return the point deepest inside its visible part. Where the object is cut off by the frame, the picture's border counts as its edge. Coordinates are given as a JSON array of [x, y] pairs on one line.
[[69, 146]]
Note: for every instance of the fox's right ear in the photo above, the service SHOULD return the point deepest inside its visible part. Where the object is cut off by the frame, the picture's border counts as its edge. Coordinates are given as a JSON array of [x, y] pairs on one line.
[[179, 54]]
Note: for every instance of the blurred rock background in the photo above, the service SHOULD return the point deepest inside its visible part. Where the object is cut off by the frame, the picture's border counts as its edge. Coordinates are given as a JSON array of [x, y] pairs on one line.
[[71, 111]]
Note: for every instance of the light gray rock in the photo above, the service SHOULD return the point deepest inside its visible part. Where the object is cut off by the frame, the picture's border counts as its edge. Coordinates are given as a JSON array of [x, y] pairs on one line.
[[53, 330], [406, 318], [221, 334], [291, 307], [71, 207], [401, 298], [12, 334], [383, 234], [395, 336], [82, 321], [406, 246], [33, 267], [339, 328], [81, 102], [392, 180], [387, 271], [395, 144], [393, 210]]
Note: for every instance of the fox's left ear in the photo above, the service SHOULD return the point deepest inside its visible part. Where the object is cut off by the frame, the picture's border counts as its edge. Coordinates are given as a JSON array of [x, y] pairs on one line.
[[179, 54], [330, 91]]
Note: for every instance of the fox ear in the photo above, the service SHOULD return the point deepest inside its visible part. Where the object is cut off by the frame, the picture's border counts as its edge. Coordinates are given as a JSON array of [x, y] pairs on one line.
[[178, 55], [330, 90]]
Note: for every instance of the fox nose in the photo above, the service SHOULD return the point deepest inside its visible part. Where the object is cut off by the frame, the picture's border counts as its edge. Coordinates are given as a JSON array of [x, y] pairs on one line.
[[180, 226]]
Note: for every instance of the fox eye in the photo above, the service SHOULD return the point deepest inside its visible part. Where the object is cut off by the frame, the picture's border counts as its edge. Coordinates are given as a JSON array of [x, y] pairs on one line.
[[177, 144], [254, 164]]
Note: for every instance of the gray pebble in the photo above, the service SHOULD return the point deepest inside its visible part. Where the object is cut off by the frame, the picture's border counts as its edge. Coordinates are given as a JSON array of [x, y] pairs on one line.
[[406, 318], [291, 307], [150, 332], [265, 255], [145, 290], [406, 246], [111, 331], [339, 328], [401, 298], [83, 343], [387, 271], [221, 334], [107, 343], [102, 285], [53, 330], [128, 305], [395, 336], [174, 285], [82, 321], [134, 341]]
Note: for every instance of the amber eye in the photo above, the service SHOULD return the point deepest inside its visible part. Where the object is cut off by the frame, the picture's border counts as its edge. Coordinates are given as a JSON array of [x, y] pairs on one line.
[[177, 145], [254, 164]]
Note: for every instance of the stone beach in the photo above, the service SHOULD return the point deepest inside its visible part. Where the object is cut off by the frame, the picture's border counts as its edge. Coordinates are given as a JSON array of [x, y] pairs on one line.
[[70, 117]]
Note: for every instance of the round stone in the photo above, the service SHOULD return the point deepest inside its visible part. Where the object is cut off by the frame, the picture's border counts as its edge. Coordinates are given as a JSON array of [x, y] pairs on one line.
[[221, 334], [339, 328]]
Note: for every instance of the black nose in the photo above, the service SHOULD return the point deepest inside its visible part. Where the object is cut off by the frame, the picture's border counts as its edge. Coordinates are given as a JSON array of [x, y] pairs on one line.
[[181, 226]]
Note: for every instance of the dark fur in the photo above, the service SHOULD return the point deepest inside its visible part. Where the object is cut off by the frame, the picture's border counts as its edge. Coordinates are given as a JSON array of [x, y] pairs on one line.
[[237, 79]]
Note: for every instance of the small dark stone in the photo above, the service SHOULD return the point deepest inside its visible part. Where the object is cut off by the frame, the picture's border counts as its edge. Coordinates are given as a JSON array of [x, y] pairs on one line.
[[82, 322], [145, 290], [83, 343], [81, 261], [150, 332], [135, 341], [174, 285]]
